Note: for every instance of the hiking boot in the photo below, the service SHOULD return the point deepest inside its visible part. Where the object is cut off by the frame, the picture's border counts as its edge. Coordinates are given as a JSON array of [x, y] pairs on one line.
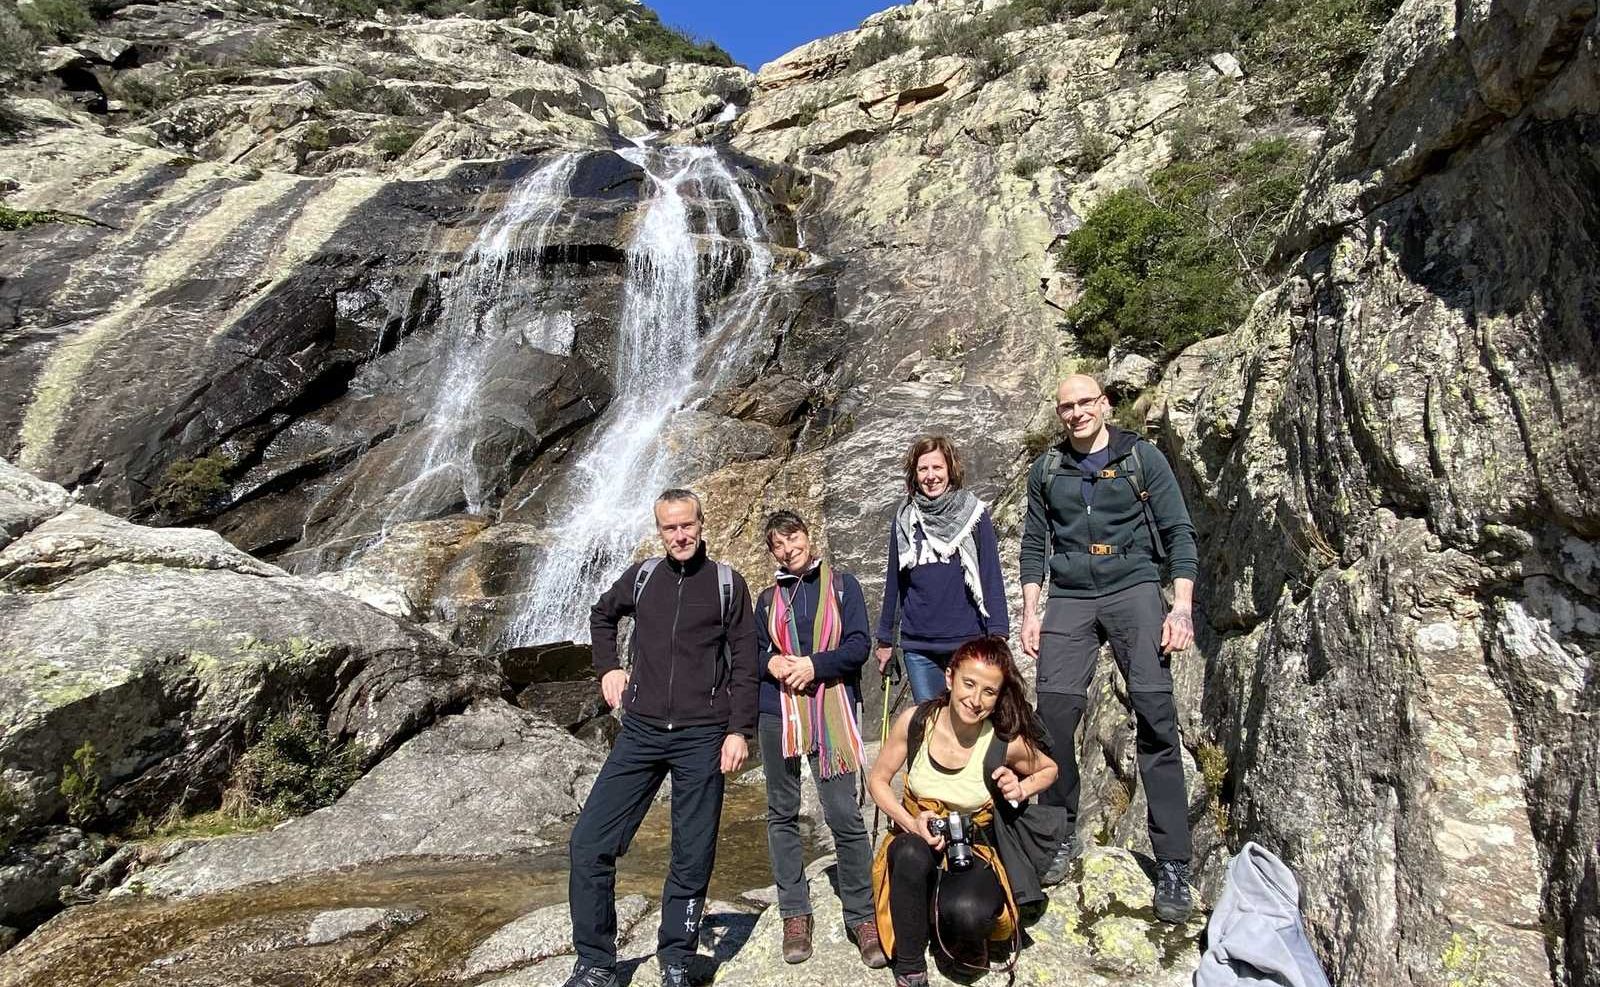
[[674, 976], [797, 938], [1067, 851], [866, 937], [592, 976], [917, 979], [1173, 900]]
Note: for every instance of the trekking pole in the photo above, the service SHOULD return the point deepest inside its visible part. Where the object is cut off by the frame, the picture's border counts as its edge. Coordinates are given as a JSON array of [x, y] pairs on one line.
[[892, 673]]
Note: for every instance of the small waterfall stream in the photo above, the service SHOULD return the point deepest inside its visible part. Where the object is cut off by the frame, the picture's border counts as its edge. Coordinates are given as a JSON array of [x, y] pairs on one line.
[[505, 259], [677, 258]]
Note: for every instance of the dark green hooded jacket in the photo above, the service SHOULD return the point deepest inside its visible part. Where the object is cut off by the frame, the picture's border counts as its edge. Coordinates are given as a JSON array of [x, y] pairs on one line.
[[1060, 526]]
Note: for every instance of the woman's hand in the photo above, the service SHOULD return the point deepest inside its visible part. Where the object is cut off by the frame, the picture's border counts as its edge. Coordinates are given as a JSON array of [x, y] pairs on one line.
[[1009, 784], [926, 832], [885, 656], [800, 674]]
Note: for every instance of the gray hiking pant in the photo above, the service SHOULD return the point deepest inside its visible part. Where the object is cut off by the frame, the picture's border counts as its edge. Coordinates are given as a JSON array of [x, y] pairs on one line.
[[1069, 643]]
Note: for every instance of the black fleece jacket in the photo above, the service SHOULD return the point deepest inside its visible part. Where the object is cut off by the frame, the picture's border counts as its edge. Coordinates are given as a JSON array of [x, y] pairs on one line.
[[678, 678]]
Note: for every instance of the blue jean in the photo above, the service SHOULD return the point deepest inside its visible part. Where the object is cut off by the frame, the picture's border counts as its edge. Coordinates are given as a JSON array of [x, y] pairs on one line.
[[925, 669]]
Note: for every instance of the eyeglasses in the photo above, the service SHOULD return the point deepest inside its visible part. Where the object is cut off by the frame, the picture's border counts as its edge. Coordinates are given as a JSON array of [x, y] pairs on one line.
[[1082, 404]]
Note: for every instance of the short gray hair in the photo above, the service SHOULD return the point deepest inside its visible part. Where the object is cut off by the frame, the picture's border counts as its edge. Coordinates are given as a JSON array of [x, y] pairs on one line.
[[679, 494]]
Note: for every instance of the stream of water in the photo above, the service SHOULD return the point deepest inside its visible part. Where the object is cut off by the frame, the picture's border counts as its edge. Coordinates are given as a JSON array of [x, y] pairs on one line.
[[674, 338]]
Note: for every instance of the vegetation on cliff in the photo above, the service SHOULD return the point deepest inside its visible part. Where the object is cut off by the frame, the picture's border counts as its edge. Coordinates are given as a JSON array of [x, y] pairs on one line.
[[1175, 260]]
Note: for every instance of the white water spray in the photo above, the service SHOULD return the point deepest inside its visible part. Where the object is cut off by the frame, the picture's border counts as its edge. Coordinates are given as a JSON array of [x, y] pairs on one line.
[[603, 508], [503, 266]]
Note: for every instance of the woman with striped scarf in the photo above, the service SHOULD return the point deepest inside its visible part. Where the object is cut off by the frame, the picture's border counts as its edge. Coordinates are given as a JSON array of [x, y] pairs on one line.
[[811, 636]]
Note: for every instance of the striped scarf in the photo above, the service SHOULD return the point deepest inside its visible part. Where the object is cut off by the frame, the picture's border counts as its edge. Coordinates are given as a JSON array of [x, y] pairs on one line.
[[820, 720]]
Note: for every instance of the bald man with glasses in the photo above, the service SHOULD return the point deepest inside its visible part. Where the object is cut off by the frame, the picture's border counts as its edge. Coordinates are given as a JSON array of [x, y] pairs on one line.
[[1105, 516]]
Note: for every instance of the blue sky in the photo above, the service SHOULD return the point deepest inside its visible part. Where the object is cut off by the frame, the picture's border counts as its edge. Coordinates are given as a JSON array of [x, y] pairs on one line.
[[757, 31]]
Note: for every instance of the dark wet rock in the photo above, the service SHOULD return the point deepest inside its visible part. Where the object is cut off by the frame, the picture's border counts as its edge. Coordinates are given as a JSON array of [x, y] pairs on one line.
[[491, 781], [577, 706], [561, 662], [39, 866]]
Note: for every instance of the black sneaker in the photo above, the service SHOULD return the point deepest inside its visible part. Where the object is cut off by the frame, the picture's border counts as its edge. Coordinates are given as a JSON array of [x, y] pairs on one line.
[[1068, 851], [1173, 900], [592, 976], [674, 976]]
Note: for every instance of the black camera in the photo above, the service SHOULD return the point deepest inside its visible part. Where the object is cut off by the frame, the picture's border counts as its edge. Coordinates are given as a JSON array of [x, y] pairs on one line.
[[957, 832]]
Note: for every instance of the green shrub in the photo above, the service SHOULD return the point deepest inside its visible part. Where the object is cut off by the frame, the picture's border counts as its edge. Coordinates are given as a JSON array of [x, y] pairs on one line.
[[347, 92], [395, 139], [1310, 49], [80, 785], [566, 48], [886, 42], [653, 41], [1026, 165], [316, 137], [294, 767], [56, 20], [1168, 265], [21, 219], [189, 485], [264, 51]]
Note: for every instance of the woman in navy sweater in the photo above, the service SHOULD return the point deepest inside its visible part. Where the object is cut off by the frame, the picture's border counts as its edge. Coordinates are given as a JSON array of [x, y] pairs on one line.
[[943, 582]]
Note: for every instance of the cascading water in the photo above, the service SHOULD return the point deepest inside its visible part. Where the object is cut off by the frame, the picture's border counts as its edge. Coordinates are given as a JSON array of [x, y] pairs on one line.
[[604, 506], [503, 265]]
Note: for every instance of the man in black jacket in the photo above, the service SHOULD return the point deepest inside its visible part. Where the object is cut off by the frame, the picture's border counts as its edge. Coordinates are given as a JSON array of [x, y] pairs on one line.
[[690, 700]]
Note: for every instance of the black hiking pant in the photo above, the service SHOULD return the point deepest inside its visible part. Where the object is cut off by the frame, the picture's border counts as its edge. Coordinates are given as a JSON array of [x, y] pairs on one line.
[[969, 904], [643, 756], [1069, 643]]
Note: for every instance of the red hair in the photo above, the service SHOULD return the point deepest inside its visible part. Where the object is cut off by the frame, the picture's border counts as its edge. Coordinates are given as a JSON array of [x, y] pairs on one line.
[[1012, 716]]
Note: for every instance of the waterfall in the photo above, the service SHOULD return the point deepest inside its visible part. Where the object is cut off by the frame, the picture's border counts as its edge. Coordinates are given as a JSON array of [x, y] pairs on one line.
[[503, 267], [604, 505]]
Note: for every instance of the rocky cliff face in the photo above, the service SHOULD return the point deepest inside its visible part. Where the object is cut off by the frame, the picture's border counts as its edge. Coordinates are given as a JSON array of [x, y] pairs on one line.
[[247, 312], [1393, 466]]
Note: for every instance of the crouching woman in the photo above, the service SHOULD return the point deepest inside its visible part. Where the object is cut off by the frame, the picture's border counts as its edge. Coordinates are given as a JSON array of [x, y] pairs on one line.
[[976, 751]]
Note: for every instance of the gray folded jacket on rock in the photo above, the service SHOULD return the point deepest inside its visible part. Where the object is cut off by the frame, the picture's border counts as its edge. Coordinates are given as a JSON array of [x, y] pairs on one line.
[[1256, 935]]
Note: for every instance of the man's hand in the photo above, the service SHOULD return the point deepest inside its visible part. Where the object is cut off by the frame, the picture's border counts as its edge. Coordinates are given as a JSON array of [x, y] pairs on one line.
[[778, 666], [1177, 632], [885, 656], [612, 685], [801, 673], [734, 752], [1030, 633], [937, 842], [1009, 784]]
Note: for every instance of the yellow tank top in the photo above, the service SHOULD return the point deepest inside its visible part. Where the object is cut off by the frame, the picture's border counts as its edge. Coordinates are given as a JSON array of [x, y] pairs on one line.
[[965, 789]]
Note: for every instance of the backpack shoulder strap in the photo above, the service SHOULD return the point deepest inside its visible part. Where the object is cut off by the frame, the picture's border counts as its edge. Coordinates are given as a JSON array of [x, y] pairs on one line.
[[725, 589], [1052, 460], [994, 756], [647, 569], [838, 588], [1159, 548], [914, 733]]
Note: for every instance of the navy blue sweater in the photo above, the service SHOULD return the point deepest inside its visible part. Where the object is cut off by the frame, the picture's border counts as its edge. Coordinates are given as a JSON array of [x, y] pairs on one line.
[[843, 662], [936, 611]]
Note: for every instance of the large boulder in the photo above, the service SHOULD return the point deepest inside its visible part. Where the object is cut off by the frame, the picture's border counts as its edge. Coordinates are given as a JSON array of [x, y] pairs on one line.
[[165, 649], [489, 782]]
